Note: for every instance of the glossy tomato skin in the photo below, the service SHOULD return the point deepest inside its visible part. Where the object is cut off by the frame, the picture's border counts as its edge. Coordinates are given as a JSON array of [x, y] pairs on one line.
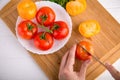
[[82, 54], [27, 9], [43, 41], [75, 7], [60, 30], [27, 29], [45, 15]]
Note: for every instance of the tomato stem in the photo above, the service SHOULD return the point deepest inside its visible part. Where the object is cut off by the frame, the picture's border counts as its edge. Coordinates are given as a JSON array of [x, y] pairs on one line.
[[30, 27], [43, 36], [45, 28], [43, 17], [61, 2], [55, 27]]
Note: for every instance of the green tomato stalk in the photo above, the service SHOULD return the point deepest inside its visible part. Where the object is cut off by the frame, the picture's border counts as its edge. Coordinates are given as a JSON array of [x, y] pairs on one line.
[[60, 2]]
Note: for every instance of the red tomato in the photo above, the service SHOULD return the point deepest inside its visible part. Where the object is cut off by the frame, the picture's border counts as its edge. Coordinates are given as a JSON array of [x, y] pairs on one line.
[[43, 41], [27, 29], [81, 53], [60, 30], [45, 15]]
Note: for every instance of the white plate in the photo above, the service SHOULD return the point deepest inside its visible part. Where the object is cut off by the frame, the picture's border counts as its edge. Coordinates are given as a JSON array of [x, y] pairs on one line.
[[61, 15]]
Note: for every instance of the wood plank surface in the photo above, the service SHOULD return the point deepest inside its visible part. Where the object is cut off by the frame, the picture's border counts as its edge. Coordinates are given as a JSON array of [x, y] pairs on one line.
[[106, 44]]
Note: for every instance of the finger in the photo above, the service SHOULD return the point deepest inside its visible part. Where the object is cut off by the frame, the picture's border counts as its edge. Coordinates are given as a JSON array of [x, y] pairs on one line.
[[112, 70], [84, 67], [63, 61], [71, 58]]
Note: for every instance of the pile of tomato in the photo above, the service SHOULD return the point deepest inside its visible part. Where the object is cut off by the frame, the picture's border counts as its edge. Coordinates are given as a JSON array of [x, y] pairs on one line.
[[45, 18], [52, 29]]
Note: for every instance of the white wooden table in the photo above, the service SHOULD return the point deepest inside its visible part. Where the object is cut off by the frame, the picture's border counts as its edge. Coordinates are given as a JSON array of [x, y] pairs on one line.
[[17, 64]]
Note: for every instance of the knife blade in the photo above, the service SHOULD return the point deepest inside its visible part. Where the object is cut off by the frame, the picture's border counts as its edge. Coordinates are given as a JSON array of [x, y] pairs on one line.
[[93, 56]]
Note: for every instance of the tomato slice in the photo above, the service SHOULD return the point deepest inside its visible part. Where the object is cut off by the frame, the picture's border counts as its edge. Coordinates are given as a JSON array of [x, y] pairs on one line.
[[89, 28]]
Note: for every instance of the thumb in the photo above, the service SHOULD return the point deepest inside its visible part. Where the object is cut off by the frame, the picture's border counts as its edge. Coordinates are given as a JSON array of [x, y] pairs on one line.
[[84, 67]]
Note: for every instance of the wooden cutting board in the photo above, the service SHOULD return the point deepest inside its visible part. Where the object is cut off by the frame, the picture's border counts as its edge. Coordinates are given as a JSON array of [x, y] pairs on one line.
[[106, 44]]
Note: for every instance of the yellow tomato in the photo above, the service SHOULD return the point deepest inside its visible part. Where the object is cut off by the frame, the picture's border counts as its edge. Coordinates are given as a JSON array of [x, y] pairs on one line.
[[76, 7], [27, 9], [84, 4], [89, 28]]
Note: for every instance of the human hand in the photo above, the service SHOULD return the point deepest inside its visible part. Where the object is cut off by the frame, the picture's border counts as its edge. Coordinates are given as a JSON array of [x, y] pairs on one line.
[[66, 68], [113, 71]]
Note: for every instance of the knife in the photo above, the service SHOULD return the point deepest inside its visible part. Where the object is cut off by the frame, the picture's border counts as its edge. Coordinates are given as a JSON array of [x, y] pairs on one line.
[[93, 56]]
